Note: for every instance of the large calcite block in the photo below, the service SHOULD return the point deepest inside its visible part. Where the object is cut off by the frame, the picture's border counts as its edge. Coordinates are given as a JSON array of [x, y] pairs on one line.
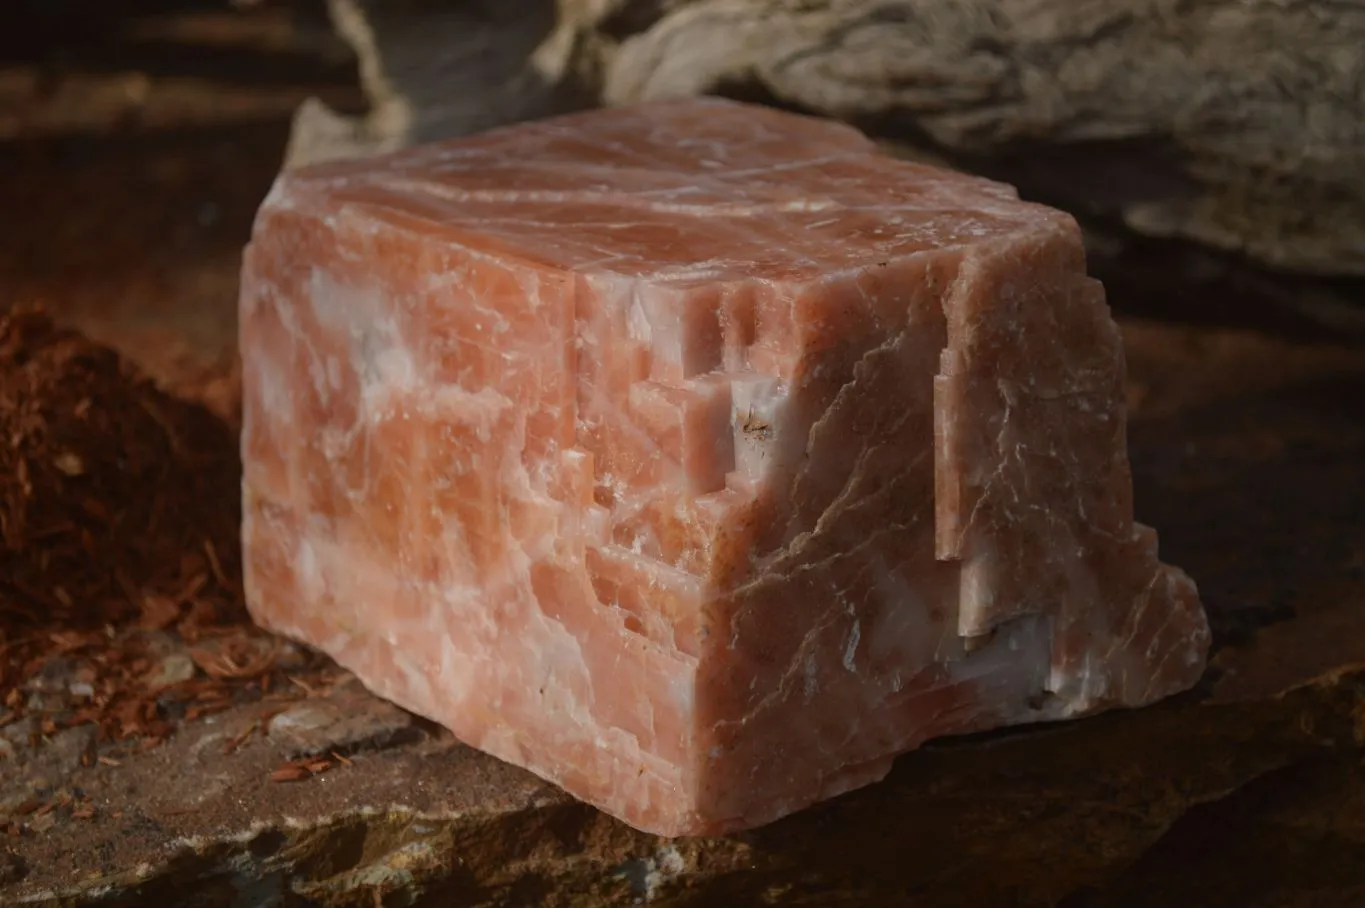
[[696, 456]]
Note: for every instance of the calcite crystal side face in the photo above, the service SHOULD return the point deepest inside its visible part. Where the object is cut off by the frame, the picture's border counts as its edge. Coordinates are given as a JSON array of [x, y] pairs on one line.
[[696, 456]]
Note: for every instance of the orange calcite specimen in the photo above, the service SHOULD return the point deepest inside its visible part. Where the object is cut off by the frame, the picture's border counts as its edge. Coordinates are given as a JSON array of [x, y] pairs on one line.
[[696, 456]]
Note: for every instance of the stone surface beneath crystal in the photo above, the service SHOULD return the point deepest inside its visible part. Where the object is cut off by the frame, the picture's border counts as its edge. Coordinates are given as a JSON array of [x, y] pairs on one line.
[[695, 456]]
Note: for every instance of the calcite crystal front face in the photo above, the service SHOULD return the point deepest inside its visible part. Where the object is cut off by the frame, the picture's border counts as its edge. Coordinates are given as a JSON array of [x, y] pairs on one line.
[[696, 456]]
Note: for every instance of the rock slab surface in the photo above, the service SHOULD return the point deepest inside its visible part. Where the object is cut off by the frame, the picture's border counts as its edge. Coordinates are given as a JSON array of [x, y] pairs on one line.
[[695, 456], [1256, 778]]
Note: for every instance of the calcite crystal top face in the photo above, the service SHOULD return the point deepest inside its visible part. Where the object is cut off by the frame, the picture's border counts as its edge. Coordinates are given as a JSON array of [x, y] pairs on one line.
[[695, 456]]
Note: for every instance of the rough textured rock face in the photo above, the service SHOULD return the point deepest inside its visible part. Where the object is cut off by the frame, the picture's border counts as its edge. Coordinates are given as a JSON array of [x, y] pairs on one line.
[[696, 456]]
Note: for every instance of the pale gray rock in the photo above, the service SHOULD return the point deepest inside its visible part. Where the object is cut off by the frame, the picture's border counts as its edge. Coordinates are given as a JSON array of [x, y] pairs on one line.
[[1238, 125]]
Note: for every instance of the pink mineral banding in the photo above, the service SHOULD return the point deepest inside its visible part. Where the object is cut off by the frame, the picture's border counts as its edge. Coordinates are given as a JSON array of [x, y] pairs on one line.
[[696, 456]]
